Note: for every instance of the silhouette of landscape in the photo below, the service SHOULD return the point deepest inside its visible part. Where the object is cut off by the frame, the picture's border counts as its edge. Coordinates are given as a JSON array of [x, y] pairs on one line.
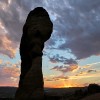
[[74, 93]]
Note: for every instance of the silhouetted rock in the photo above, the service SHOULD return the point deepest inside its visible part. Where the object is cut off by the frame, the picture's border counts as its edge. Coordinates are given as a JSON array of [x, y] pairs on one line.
[[93, 88], [36, 31]]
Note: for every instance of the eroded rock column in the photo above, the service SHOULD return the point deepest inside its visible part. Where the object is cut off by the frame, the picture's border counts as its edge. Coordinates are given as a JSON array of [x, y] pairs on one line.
[[36, 31]]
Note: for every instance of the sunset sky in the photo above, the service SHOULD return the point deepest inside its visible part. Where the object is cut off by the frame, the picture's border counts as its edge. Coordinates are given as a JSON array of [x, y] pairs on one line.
[[72, 54]]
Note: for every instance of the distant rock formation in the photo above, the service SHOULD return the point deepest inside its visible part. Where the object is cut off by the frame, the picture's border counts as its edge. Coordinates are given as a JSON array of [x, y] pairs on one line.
[[93, 88], [36, 31]]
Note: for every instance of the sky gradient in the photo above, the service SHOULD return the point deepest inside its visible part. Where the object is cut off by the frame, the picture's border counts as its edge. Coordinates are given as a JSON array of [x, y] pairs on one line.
[[72, 54]]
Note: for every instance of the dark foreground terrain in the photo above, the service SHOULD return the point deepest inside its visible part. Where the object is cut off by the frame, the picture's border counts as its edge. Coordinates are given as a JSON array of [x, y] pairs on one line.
[[92, 92]]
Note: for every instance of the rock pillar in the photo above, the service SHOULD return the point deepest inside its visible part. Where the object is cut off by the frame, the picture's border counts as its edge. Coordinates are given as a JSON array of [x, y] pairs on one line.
[[36, 31]]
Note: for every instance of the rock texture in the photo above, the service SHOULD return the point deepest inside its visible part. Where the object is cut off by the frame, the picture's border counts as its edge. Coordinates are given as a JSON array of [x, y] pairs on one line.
[[36, 31]]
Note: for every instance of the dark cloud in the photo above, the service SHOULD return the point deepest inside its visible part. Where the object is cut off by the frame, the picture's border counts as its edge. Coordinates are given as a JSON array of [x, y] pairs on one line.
[[57, 58], [70, 62], [91, 70], [84, 46], [78, 23], [65, 69]]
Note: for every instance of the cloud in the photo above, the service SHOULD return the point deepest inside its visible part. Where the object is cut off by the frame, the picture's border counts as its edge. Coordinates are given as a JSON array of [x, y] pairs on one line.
[[88, 69], [78, 24], [70, 62], [65, 69], [82, 73], [91, 70], [61, 77], [7, 46], [10, 26], [9, 74], [1, 61], [47, 79], [86, 5], [57, 58], [87, 72], [56, 78]]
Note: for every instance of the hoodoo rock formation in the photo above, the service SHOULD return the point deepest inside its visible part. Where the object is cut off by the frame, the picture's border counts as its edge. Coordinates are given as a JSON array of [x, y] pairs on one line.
[[36, 31]]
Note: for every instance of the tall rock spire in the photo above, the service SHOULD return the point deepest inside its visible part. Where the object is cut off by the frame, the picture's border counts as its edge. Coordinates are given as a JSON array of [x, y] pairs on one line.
[[36, 31]]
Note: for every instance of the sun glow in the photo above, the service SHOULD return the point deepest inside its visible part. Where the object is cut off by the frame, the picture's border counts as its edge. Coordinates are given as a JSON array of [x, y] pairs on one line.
[[67, 84]]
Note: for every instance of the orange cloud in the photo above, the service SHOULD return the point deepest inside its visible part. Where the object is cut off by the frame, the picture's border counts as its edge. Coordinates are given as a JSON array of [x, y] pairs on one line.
[[65, 69], [13, 71], [9, 74], [1, 61], [7, 47]]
